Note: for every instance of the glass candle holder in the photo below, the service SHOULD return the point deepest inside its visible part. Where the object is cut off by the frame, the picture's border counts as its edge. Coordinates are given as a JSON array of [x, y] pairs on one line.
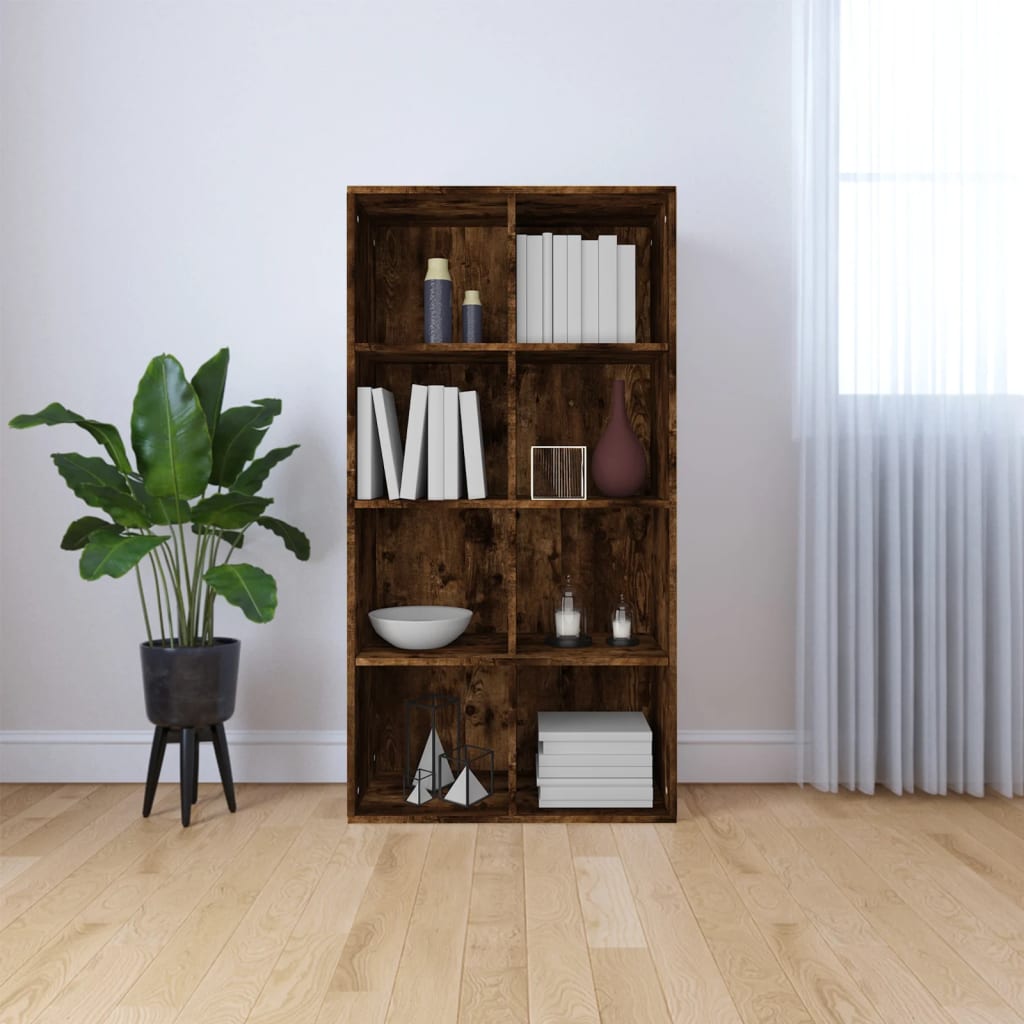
[[570, 618], [622, 619]]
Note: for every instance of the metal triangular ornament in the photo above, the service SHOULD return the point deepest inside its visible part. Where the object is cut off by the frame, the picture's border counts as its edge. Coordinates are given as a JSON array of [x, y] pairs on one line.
[[433, 760], [466, 789], [420, 792]]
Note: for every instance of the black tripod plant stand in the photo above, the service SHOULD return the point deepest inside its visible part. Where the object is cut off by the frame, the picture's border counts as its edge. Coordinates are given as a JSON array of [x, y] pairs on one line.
[[189, 740]]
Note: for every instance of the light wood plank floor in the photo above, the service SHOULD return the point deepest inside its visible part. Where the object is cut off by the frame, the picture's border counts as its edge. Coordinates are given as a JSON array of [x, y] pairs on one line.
[[763, 904]]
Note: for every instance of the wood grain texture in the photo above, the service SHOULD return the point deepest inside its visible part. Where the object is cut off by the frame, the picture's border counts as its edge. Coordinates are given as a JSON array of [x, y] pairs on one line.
[[561, 983], [760, 904], [428, 980], [494, 981]]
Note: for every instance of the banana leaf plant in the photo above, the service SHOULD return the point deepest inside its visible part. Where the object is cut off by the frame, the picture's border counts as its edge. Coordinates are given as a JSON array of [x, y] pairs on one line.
[[182, 512]]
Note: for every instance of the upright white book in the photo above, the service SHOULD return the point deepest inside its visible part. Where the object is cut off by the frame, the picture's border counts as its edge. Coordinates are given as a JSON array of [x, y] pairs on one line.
[[547, 260], [627, 293], [435, 442], [607, 288], [390, 439], [534, 288], [521, 289], [574, 288], [414, 466], [473, 445], [453, 471], [369, 463], [560, 288], [588, 290]]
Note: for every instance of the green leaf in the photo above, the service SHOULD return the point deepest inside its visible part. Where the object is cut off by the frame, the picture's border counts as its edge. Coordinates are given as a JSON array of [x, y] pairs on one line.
[[121, 507], [209, 383], [82, 471], [106, 433], [78, 533], [239, 433], [160, 510], [253, 477], [246, 587], [169, 432], [109, 554], [294, 539], [229, 511]]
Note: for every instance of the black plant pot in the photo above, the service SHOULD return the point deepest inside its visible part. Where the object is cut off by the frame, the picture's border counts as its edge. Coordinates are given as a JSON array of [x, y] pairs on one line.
[[190, 693], [188, 687]]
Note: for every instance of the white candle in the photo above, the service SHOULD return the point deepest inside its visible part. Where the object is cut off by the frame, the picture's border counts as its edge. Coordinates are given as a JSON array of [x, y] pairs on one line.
[[621, 627], [567, 623]]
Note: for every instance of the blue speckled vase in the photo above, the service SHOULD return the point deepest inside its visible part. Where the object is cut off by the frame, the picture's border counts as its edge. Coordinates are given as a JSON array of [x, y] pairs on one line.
[[472, 319], [437, 302]]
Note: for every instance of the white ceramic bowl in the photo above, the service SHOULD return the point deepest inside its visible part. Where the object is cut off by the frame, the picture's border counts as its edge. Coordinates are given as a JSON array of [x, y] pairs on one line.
[[420, 627]]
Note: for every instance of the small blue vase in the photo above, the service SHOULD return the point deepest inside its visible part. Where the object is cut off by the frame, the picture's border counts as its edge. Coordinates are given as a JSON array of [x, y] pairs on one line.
[[437, 302], [472, 319]]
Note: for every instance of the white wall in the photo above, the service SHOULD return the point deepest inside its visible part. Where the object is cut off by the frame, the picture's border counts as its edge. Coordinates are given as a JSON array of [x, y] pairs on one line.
[[172, 178]]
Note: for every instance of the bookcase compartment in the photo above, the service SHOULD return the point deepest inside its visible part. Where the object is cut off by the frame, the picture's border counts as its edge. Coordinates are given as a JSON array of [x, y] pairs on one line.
[[484, 695], [399, 237], [489, 379], [607, 552], [429, 554], [569, 403], [588, 688]]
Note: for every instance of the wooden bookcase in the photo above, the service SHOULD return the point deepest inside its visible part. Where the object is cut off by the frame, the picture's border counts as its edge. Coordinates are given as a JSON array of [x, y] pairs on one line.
[[504, 556]]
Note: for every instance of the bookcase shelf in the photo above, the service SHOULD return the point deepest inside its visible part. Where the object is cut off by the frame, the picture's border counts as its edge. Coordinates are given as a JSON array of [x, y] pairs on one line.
[[503, 556]]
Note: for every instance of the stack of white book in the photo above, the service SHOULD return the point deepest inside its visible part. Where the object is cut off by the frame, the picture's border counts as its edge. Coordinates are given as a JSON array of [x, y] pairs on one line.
[[594, 759], [575, 289], [443, 454]]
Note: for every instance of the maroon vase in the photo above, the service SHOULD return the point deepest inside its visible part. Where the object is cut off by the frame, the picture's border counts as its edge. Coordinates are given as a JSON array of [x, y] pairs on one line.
[[619, 466]]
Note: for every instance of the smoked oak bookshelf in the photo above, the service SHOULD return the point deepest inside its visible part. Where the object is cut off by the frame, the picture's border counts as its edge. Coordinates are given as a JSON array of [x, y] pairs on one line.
[[504, 556]]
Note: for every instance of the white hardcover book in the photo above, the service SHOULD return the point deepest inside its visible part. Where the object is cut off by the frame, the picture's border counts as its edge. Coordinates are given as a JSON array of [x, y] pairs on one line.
[[547, 259], [547, 801], [546, 761], [521, 289], [435, 442], [588, 290], [369, 462], [473, 445], [627, 293], [559, 288], [604, 790], [453, 471], [390, 439], [607, 288], [593, 773], [611, 726], [575, 748], [574, 288], [534, 288], [414, 466]]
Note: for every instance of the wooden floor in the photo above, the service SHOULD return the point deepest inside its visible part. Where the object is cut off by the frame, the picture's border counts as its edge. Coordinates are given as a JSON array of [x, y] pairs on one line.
[[761, 904]]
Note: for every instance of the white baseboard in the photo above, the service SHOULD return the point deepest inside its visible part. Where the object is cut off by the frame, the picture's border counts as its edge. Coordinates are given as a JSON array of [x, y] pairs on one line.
[[320, 756], [711, 755], [123, 756]]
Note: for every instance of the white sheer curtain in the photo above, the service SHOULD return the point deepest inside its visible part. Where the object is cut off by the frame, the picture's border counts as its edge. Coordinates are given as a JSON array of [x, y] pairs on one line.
[[910, 412]]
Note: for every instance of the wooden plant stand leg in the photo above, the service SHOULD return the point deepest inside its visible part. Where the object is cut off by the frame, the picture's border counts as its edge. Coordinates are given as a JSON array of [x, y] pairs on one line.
[[195, 771], [188, 767], [156, 761], [220, 748]]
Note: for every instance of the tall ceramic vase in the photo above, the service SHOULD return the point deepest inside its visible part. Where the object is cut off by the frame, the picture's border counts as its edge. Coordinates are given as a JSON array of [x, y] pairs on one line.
[[437, 302], [619, 466], [472, 318]]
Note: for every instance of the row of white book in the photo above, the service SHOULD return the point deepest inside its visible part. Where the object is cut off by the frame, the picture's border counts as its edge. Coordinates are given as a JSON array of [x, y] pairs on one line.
[[575, 289], [594, 759], [443, 454]]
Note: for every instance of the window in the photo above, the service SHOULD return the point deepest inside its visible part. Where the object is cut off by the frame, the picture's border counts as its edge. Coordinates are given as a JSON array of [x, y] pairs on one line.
[[931, 217]]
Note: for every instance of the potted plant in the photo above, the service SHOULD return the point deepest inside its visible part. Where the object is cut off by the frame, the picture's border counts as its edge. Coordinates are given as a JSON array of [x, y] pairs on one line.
[[176, 520]]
